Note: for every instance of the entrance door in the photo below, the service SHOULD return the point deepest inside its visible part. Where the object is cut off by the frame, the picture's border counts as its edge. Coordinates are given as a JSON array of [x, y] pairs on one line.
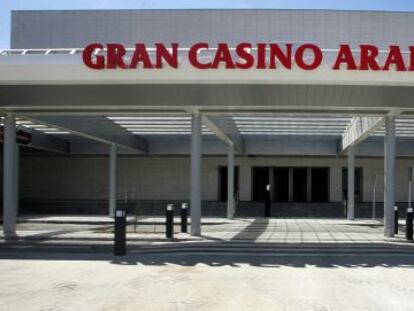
[[281, 184], [223, 183], [320, 184], [260, 181], [300, 183]]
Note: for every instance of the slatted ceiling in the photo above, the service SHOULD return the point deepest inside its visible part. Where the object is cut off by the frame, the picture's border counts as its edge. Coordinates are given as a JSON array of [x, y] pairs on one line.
[[404, 127], [37, 127], [157, 125], [148, 118], [326, 126]]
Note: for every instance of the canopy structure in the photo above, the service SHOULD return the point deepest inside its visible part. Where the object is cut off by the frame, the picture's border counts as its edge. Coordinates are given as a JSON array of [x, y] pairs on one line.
[[185, 111]]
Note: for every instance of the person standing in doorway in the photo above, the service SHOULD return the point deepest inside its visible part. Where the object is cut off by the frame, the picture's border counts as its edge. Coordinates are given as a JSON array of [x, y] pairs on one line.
[[267, 202]]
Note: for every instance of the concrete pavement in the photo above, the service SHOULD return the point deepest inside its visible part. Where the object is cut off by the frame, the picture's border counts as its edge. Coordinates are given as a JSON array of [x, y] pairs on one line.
[[240, 264]]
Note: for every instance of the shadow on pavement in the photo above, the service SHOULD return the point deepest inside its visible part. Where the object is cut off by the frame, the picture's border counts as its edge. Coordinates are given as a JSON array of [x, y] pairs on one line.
[[253, 231], [263, 255]]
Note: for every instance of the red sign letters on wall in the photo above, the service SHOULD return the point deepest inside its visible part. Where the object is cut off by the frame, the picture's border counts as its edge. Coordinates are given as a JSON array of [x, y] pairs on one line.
[[306, 56]]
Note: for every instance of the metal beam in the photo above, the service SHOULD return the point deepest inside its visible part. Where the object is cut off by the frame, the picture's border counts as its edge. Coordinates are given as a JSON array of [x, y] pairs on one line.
[[351, 184], [112, 180], [359, 129], [226, 131], [48, 142], [230, 182], [195, 195], [9, 176], [95, 128]]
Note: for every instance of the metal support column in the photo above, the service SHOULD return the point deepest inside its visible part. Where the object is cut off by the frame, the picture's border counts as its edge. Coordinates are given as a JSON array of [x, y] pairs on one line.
[[230, 182], [17, 179], [9, 176], [351, 184], [196, 175], [112, 181], [389, 176]]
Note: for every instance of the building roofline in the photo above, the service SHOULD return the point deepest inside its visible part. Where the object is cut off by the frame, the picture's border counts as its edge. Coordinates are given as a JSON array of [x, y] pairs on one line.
[[219, 9]]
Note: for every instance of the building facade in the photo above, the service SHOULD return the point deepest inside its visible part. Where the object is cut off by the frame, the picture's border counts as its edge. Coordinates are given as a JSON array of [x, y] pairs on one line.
[[291, 133]]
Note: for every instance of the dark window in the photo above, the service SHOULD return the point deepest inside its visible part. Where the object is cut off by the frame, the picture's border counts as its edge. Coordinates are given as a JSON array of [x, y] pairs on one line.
[[300, 183], [260, 181], [281, 184], [320, 184], [223, 182]]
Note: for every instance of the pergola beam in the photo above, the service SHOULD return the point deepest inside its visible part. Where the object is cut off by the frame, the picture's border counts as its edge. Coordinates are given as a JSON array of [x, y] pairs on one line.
[[98, 129], [359, 129], [218, 126]]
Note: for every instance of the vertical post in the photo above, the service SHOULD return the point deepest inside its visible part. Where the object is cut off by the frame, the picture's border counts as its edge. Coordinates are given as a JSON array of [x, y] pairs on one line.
[[9, 177], [230, 182], [112, 180], [120, 232], [309, 184], [409, 215], [290, 190], [267, 202], [196, 174], [351, 184], [272, 184], [184, 216], [169, 221], [389, 176], [395, 219], [374, 190], [17, 172]]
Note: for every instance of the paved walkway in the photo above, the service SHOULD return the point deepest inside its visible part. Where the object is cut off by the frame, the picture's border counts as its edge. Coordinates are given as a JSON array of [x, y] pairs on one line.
[[149, 230]]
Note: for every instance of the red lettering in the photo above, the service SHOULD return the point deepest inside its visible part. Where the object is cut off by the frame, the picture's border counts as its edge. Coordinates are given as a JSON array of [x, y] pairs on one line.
[[223, 55], [248, 59], [193, 56], [261, 56], [369, 54], [140, 56], [411, 68], [99, 62], [317, 57], [345, 57], [395, 58], [115, 56], [163, 54], [277, 53]]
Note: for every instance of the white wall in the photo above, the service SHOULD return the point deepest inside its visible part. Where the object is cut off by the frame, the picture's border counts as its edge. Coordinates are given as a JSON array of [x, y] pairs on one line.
[[86, 177]]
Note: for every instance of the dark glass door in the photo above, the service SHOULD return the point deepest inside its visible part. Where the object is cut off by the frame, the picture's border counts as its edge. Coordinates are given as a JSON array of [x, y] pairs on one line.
[[260, 181], [320, 184], [281, 184], [300, 183]]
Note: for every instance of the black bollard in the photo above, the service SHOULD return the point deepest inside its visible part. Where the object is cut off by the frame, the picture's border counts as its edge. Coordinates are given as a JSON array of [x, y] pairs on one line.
[[170, 221], [267, 202], [395, 219], [184, 212], [409, 224], [120, 233]]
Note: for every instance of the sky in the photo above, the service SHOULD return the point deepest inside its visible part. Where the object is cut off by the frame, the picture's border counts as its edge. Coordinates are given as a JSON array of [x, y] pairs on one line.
[[7, 5]]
